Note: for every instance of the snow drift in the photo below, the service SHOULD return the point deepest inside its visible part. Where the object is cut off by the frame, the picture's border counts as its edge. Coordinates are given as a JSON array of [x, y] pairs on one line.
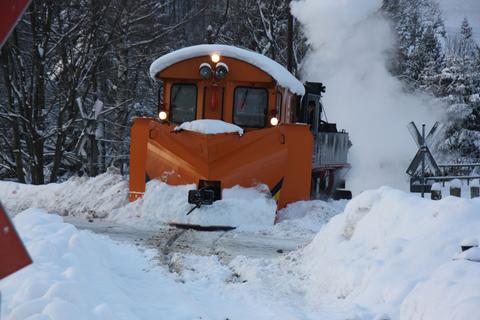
[[245, 208], [105, 196], [391, 254], [350, 43], [78, 196], [78, 275]]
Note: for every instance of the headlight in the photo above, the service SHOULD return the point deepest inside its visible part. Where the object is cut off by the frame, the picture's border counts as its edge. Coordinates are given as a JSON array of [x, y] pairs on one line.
[[215, 57], [205, 71], [221, 70], [162, 115], [274, 121]]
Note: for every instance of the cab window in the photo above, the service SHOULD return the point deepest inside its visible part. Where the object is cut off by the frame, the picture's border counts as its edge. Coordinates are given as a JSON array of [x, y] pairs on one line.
[[183, 103], [250, 107]]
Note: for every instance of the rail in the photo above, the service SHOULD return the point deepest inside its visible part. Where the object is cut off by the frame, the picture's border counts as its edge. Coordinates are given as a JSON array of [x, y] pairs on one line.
[[444, 179], [330, 149]]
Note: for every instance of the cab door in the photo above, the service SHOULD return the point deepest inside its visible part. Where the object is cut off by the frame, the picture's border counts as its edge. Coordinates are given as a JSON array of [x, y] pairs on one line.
[[312, 111]]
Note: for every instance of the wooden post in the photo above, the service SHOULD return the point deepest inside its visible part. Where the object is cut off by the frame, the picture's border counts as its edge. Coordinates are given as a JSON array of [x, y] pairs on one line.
[[456, 188], [436, 193], [475, 192]]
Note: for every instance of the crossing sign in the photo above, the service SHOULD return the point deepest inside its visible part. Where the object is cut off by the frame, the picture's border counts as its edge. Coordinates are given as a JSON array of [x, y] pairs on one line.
[[423, 160], [10, 13], [13, 255]]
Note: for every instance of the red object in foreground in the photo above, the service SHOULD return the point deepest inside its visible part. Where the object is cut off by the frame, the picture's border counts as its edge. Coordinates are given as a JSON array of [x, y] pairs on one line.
[[10, 12], [13, 255]]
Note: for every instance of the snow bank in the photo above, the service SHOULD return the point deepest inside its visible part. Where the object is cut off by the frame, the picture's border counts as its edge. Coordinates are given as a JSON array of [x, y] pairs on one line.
[[209, 126], [450, 292], [78, 196], [305, 218], [105, 196], [78, 275], [390, 255], [245, 208], [274, 69]]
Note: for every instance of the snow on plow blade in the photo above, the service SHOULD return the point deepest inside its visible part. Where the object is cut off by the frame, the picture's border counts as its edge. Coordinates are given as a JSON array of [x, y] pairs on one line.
[[280, 157]]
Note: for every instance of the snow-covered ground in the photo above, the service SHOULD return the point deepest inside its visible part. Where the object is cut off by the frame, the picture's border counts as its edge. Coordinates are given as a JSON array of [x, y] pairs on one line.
[[80, 275], [388, 255]]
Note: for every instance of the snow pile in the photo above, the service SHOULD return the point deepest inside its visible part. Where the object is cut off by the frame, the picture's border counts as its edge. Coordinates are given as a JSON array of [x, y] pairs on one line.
[[78, 196], [77, 275], [362, 96], [390, 255], [246, 208], [305, 218], [274, 69], [80, 275], [209, 126]]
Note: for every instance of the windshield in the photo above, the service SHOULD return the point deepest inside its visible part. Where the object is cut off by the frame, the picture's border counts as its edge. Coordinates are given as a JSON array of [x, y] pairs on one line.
[[250, 107], [183, 103]]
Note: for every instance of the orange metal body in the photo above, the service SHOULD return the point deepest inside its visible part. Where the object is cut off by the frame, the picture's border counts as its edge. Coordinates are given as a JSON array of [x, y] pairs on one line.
[[268, 156], [278, 156]]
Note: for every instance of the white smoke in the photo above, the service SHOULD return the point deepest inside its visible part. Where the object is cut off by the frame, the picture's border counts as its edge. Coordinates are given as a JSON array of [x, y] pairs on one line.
[[350, 42]]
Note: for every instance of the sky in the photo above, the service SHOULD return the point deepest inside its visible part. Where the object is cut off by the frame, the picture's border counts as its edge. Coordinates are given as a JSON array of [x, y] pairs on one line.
[[455, 10]]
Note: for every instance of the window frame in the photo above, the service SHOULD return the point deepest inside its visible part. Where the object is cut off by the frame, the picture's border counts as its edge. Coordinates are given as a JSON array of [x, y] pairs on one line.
[[279, 107], [235, 107], [171, 99]]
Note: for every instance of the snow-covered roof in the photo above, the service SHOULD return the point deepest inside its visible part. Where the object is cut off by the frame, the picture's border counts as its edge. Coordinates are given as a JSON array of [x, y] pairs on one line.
[[283, 77]]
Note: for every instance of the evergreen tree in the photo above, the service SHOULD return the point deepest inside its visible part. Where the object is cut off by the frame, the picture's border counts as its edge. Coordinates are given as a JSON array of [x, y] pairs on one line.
[[466, 30], [420, 30], [460, 82]]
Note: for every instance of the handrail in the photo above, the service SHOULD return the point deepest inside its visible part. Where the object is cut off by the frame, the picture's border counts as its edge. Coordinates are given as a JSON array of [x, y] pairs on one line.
[[459, 165]]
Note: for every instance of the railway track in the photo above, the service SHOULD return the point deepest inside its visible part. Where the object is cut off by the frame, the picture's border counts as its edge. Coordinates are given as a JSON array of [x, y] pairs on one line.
[[168, 240]]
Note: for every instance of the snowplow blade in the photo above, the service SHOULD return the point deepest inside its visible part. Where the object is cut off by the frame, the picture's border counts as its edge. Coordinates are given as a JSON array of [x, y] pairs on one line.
[[279, 157]]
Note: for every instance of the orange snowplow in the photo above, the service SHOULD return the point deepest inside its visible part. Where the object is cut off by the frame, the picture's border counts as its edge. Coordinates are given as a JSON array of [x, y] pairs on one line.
[[235, 87]]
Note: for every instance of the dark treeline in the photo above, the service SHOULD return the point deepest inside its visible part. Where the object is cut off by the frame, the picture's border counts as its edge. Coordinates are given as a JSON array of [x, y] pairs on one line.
[[74, 72]]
